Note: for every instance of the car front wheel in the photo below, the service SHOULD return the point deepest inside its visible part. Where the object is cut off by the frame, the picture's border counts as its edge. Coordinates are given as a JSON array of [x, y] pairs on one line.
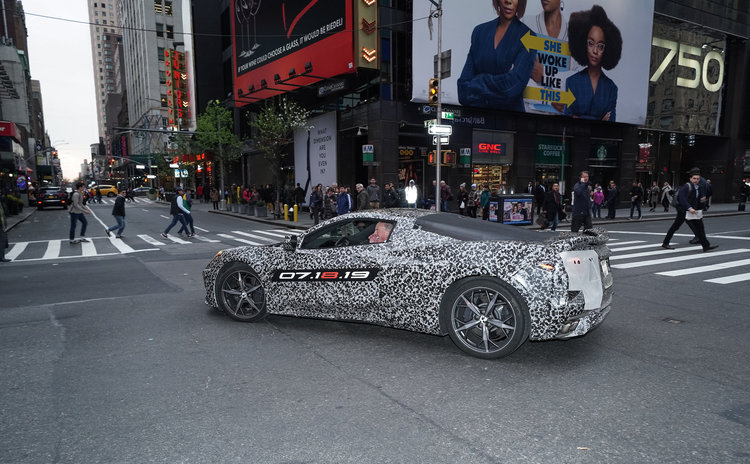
[[485, 317], [240, 293], [110, 195]]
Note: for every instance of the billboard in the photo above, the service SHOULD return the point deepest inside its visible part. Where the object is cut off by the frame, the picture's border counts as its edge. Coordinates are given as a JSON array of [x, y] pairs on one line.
[[270, 39], [579, 58], [315, 153]]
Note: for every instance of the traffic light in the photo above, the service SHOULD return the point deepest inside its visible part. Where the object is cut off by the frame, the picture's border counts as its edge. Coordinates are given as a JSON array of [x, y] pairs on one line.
[[433, 91], [431, 158]]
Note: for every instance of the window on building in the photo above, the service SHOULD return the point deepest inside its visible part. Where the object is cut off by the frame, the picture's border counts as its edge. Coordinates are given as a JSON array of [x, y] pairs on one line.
[[96, 21], [160, 52], [104, 21], [168, 7], [159, 30], [96, 13], [100, 53], [94, 5], [107, 59], [164, 101], [97, 30], [105, 36], [170, 31], [162, 77], [158, 9], [104, 5], [98, 45]]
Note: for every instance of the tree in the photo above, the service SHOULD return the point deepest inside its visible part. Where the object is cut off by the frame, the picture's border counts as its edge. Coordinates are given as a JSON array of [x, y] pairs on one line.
[[214, 135], [275, 124]]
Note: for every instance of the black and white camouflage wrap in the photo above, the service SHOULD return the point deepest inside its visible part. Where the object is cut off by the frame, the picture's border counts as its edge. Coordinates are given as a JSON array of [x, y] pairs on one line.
[[415, 269]]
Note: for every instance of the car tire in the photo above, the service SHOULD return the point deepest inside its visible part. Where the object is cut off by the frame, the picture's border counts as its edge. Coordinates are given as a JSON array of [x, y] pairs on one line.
[[240, 294], [485, 317], [110, 195]]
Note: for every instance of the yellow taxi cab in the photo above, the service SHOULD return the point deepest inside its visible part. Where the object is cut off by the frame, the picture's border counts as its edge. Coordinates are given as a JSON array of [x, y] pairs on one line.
[[107, 190]]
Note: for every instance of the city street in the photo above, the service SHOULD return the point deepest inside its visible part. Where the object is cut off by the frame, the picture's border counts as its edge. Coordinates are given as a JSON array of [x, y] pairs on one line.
[[109, 354]]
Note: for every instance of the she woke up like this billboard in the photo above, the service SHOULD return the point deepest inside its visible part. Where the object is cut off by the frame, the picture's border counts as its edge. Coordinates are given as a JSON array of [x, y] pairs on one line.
[[585, 59], [271, 37]]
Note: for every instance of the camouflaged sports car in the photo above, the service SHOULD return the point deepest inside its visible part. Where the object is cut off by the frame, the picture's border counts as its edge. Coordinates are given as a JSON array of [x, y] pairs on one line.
[[489, 286]]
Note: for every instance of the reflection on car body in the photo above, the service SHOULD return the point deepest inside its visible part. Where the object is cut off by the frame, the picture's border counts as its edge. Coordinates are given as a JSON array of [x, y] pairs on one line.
[[489, 286]]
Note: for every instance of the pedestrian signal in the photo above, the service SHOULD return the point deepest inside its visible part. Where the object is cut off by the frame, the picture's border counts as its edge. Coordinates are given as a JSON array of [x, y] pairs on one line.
[[433, 91]]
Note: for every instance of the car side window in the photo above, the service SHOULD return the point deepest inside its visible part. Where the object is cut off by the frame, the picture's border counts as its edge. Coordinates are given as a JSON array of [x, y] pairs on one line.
[[341, 234]]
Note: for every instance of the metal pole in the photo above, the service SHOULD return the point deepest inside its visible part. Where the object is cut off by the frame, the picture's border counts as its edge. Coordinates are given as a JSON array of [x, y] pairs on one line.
[[439, 154]]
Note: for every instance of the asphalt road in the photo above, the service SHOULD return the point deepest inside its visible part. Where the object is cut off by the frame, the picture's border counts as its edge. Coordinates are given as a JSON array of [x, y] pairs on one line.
[[113, 357]]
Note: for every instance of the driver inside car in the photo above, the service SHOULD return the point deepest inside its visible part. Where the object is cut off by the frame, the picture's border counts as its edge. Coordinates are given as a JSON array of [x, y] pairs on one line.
[[382, 232]]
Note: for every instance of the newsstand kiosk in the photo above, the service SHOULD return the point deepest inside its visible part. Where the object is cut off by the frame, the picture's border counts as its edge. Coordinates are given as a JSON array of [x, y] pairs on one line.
[[512, 209]]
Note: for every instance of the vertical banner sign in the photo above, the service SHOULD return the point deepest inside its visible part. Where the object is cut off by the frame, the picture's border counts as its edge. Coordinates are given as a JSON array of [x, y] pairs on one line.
[[368, 153], [178, 103], [315, 149], [367, 34]]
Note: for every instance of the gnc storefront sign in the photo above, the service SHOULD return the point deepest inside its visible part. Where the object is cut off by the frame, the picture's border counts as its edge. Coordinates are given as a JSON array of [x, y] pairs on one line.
[[492, 147]]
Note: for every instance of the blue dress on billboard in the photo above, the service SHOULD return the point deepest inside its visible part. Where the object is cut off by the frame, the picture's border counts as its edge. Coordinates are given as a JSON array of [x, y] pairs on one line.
[[496, 77], [590, 105]]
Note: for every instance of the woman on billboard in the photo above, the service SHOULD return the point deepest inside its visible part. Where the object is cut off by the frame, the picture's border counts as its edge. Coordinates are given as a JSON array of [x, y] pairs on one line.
[[498, 65], [595, 42]]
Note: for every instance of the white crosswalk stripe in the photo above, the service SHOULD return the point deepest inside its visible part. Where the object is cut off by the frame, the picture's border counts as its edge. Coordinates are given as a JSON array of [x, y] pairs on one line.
[[258, 237], [241, 240], [651, 255], [106, 246]]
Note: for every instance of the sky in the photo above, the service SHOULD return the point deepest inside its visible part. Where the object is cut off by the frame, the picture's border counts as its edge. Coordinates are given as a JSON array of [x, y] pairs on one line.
[[60, 58]]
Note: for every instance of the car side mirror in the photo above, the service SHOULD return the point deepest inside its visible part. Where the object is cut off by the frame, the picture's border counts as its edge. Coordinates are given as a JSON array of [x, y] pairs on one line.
[[290, 243]]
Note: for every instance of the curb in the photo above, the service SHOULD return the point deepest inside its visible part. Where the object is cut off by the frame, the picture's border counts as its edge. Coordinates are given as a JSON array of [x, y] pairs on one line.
[[274, 222]]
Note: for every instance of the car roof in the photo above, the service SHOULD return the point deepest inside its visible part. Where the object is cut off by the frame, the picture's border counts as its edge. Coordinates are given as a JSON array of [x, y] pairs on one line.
[[470, 229]]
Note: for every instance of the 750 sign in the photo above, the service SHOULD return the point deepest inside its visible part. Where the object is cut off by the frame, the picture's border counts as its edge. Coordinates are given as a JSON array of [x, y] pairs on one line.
[[684, 60]]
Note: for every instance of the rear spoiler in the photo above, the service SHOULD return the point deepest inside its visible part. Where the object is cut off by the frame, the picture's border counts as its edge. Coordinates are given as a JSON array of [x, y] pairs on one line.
[[597, 236]]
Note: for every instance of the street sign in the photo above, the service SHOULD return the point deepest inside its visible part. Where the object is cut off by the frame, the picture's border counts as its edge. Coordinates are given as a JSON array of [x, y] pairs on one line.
[[444, 139], [447, 115], [368, 148], [430, 122], [440, 130]]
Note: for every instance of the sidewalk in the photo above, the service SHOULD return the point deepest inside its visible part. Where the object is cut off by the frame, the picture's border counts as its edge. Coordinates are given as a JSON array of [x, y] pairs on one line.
[[621, 216]]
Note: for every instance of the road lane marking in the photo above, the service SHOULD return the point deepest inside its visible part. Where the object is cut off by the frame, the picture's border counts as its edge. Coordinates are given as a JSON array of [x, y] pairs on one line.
[[151, 241], [53, 249], [730, 237], [626, 243], [16, 250], [655, 253], [676, 259], [88, 249], [289, 231], [205, 239], [231, 237], [730, 279], [120, 245], [711, 267], [202, 230], [252, 235], [275, 235], [177, 240]]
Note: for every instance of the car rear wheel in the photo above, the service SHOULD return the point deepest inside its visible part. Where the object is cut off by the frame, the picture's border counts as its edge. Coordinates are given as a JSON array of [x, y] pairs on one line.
[[110, 195], [485, 317], [240, 293]]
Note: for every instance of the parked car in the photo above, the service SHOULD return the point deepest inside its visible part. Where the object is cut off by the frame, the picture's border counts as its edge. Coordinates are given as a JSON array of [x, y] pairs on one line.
[[51, 196], [107, 190], [489, 286], [140, 191]]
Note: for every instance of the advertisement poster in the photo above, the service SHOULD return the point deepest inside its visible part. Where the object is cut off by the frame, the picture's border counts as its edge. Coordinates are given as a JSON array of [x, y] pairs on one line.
[[575, 58], [315, 153], [271, 38], [493, 211], [517, 211]]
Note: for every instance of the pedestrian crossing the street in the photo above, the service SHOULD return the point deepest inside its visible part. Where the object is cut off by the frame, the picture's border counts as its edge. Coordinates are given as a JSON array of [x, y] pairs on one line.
[[42, 250], [722, 266]]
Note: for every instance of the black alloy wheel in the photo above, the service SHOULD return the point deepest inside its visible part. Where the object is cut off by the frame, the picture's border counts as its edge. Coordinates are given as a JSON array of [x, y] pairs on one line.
[[485, 317], [240, 293]]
